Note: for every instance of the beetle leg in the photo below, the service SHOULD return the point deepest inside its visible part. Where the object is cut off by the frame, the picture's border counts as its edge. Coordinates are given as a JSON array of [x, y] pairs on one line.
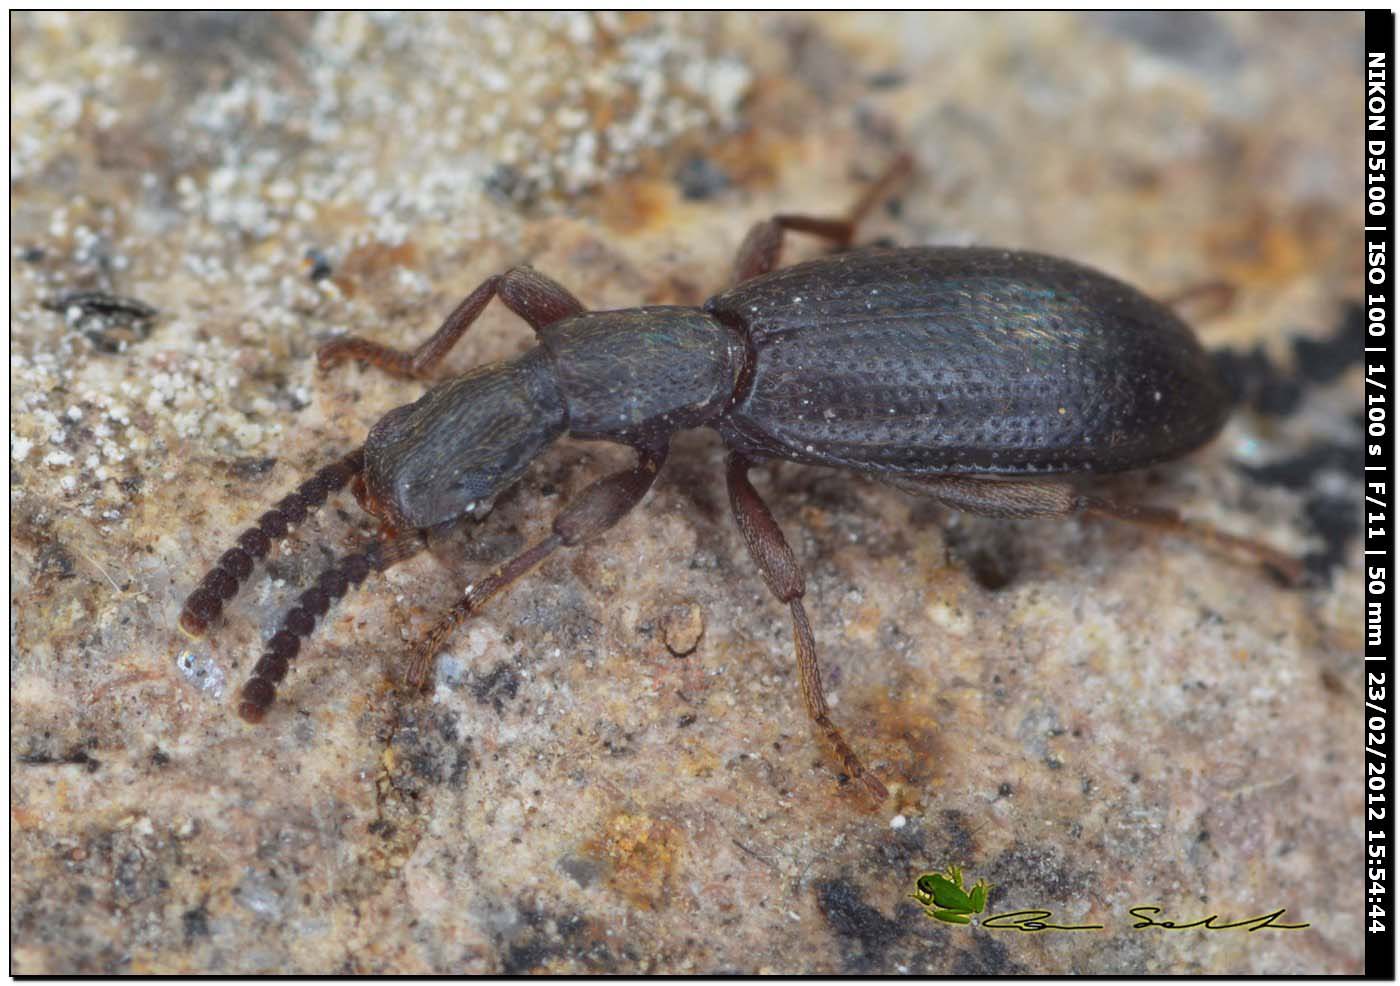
[[775, 560], [1285, 567], [763, 245], [592, 512], [1014, 498], [528, 293]]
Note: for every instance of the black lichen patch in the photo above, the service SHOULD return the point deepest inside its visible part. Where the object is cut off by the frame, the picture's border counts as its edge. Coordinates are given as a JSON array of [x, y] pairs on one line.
[[429, 751], [1324, 360], [866, 934], [1336, 520], [54, 561], [252, 467], [1300, 471], [195, 922], [986, 957], [319, 265], [497, 686], [527, 956], [509, 186], [1255, 381], [700, 178], [543, 936], [1258, 382], [1038, 874], [1333, 517]]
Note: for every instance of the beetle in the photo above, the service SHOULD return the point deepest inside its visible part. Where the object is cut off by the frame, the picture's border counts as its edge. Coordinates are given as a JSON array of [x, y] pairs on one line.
[[965, 374]]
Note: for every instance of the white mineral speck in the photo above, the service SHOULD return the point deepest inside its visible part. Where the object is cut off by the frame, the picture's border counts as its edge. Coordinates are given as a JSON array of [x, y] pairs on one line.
[[898, 822]]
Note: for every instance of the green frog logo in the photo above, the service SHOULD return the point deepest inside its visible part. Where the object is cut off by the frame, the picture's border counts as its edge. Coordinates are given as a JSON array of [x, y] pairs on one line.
[[945, 898]]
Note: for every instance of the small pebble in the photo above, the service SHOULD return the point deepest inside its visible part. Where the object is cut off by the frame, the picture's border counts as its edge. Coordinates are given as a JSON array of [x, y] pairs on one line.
[[682, 627]]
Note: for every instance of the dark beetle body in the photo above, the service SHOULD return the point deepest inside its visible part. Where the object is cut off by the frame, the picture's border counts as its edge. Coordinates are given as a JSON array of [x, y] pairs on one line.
[[965, 360], [911, 362], [964, 375]]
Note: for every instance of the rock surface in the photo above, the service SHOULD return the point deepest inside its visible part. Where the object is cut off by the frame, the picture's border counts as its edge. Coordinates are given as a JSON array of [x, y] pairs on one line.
[[614, 772]]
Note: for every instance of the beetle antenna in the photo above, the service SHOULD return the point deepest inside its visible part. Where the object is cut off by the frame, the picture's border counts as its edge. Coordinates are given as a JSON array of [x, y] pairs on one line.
[[221, 584], [300, 620]]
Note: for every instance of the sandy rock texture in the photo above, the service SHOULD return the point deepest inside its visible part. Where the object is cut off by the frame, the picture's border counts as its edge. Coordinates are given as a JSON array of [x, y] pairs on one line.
[[613, 771]]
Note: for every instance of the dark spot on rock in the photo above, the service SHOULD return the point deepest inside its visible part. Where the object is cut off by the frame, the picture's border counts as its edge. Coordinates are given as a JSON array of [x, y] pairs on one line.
[[1252, 379], [159, 758], [1331, 682], [701, 179], [1038, 873], [685, 720], [507, 185], [1299, 471], [130, 886], [74, 757], [54, 561], [196, 923], [886, 79], [547, 935], [320, 265], [989, 551], [986, 957], [32, 254], [1196, 38], [497, 686], [252, 467], [817, 62], [523, 958], [1324, 360], [957, 835], [217, 39], [1336, 520], [1004, 789], [856, 922], [582, 870], [429, 747]]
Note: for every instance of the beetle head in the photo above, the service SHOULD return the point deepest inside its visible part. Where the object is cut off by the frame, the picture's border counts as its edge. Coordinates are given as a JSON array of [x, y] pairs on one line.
[[453, 450]]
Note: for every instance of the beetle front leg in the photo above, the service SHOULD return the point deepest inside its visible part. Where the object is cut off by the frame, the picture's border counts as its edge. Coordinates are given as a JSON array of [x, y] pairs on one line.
[[1014, 498], [777, 564], [763, 246], [528, 293], [592, 512]]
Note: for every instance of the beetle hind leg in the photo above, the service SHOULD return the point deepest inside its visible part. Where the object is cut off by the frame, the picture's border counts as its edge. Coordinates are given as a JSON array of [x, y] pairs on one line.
[[763, 246], [1014, 498], [778, 565]]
